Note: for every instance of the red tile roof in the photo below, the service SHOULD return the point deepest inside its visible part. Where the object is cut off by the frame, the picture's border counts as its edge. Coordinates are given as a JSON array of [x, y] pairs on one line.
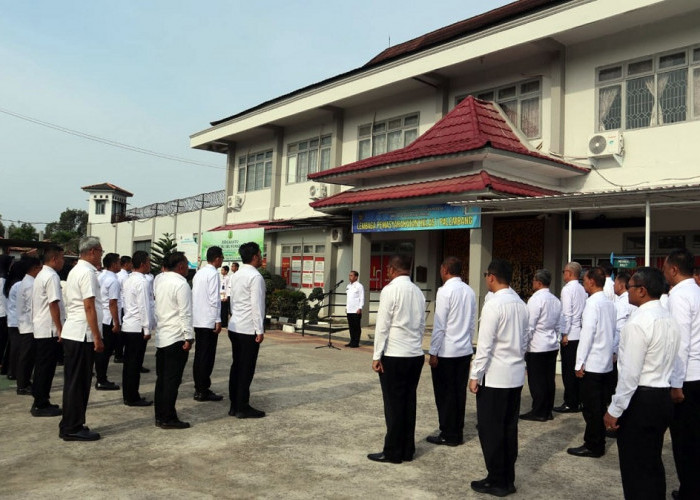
[[472, 125], [481, 181], [106, 186]]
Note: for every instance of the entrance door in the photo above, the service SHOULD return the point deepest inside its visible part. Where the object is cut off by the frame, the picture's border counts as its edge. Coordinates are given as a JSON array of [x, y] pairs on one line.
[[521, 242], [455, 243]]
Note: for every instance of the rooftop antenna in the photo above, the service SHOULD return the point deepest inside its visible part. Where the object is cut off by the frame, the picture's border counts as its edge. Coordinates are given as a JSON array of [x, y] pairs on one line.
[[389, 40]]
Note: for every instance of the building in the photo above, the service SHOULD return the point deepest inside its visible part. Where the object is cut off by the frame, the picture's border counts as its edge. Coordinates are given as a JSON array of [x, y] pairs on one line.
[[564, 129]]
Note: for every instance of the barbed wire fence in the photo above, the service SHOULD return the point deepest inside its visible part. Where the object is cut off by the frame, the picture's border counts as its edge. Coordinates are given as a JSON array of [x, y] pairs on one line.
[[202, 201]]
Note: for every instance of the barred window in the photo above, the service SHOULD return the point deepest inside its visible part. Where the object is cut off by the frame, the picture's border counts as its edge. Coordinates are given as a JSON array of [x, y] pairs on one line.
[[388, 135], [308, 157], [254, 171]]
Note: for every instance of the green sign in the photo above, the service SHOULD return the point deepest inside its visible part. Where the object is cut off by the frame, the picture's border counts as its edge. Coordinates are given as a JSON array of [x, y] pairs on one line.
[[231, 240]]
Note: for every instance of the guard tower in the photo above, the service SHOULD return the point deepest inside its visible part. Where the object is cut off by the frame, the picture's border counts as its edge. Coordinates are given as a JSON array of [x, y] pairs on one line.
[[106, 203]]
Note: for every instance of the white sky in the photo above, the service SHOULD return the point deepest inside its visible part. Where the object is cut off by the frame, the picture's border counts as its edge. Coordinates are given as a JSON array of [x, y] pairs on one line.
[[151, 73]]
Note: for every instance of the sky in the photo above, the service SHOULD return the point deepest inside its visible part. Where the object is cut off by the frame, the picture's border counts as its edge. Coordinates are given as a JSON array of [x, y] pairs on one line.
[[149, 74]]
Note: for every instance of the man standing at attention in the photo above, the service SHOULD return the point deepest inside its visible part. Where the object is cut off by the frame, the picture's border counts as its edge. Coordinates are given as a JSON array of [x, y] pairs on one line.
[[355, 300], [497, 378], [174, 338], [110, 291], [225, 297], [544, 310], [684, 306], [48, 314], [641, 408], [122, 275], [81, 338], [206, 317], [25, 355], [246, 329], [573, 300], [451, 351], [594, 363], [398, 359]]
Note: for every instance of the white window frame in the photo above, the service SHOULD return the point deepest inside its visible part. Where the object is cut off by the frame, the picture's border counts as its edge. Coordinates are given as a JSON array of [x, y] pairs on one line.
[[260, 161], [373, 138], [100, 207], [307, 157]]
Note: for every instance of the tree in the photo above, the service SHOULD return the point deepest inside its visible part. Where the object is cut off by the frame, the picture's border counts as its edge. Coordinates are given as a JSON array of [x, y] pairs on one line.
[[160, 251], [2, 228], [25, 231], [71, 226]]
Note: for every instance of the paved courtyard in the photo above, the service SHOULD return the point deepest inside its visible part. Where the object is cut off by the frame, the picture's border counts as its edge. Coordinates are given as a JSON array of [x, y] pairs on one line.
[[324, 414]]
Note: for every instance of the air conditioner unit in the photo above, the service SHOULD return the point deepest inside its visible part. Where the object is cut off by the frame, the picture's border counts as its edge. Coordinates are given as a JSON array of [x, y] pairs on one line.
[[605, 144], [317, 191], [235, 202], [337, 234]]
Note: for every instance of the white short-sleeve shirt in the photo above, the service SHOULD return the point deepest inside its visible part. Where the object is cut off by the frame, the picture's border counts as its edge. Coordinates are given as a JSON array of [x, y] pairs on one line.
[[47, 289], [81, 284]]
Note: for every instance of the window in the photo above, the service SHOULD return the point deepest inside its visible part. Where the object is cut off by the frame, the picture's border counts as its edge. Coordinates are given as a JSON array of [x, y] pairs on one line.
[[308, 157], [303, 266], [388, 135], [143, 245], [254, 171], [521, 102], [648, 92], [100, 206]]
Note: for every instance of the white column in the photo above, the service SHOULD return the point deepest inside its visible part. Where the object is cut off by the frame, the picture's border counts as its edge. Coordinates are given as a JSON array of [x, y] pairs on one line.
[[647, 234], [571, 225]]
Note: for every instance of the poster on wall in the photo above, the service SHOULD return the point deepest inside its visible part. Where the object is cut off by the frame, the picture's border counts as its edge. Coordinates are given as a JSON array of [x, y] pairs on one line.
[[285, 269], [307, 275], [231, 240], [319, 270], [187, 243], [295, 279]]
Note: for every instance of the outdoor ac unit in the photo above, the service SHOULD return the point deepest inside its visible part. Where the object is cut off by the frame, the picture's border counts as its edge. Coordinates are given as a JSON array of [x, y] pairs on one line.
[[317, 191], [235, 202], [605, 144], [337, 235]]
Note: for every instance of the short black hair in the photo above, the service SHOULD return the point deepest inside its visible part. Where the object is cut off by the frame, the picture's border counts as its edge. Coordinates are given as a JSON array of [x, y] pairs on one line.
[[652, 279], [502, 270], [355, 273], [110, 259], [597, 274], [139, 258], [124, 260], [50, 252], [607, 268], [683, 260], [623, 276], [543, 276], [248, 250], [214, 253], [31, 262], [225, 268], [176, 258], [401, 262], [453, 265]]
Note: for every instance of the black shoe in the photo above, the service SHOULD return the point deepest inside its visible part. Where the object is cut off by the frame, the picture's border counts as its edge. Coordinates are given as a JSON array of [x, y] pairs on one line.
[[565, 409], [582, 451], [47, 411], [11, 377], [348, 345], [550, 416], [486, 486], [250, 413], [106, 386], [83, 434], [159, 422], [207, 396], [145, 370], [534, 418], [25, 391], [355, 346], [138, 402], [675, 494], [381, 457], [173, 424], [440, 441], [118, 359]]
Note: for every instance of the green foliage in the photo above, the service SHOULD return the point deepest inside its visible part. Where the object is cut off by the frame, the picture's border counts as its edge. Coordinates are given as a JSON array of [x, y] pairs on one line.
[[290, 304], [272, 282], [160, 251], [25, 231], [2, 228], [71, 226]]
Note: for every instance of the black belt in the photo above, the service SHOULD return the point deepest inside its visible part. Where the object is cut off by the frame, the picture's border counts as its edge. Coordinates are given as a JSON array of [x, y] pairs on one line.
[[646, 388]]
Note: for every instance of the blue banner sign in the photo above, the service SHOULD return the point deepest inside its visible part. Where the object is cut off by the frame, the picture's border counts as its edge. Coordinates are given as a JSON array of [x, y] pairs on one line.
[[416, 219]]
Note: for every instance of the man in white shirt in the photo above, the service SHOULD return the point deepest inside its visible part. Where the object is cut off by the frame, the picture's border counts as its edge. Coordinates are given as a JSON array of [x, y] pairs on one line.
[[451, 351], [641, 409], [174, 338], [497, 378], [573, 301], [81, 338], [122, 275], [137, 325], [544, 311], [5, 262], [594, 363], [355, 301], [399, 358], [623, 310], [206, 317], [684, 306], [25, 347], [225, 295], [110, 292], [609, 286], [48, 314], [246, 329]]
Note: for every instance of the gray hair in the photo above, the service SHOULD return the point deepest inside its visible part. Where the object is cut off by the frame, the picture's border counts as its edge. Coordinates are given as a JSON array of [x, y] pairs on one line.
[[575, 268], [88, 243], [543, 276]]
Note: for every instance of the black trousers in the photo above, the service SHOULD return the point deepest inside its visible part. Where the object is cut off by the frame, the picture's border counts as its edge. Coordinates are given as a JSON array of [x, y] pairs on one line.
[[4, 334], [102, 358], [44, 370], [640, 441], [497, 412], [25, 360], [685, 436], [204, 357], [170, 364], [399, 382], [225, 311], [354, 323], [594, 391], [572, 384], [12, 350], [77, 373], [134, 349], [450, 379], [244, 350], [118, 341], [541, 374]]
